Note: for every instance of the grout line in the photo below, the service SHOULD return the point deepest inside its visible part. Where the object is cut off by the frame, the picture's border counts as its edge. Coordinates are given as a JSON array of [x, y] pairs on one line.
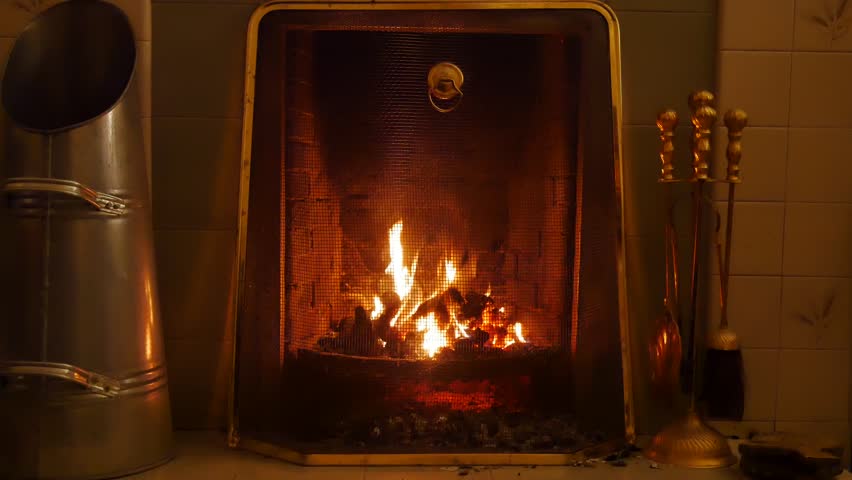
[[793, 40], [784, 230], [841, 204], [821, 127]]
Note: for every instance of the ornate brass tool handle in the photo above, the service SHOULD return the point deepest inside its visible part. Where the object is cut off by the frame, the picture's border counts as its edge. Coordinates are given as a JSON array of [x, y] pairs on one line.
[[97, 383], [445, 81], [103, 202]]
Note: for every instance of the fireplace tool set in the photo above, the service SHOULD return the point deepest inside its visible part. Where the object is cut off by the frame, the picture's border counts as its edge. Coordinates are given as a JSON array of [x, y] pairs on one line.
[[689, 441]]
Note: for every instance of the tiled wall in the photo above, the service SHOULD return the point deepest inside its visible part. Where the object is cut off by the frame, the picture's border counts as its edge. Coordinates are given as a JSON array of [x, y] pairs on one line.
[[792, 258]]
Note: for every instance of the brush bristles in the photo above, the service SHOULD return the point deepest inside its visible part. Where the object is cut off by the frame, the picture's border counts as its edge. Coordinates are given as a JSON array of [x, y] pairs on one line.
[[724, 386]]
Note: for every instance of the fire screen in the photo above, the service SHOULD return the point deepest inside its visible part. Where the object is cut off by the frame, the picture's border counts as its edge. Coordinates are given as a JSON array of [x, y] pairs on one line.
[[430, 242]]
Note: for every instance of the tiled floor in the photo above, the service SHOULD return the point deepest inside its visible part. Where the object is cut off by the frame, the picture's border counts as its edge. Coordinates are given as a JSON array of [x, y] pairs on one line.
[[205, 456]]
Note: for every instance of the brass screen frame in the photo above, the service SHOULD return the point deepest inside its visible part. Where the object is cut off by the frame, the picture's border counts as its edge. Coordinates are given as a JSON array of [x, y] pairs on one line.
[[559, 458]]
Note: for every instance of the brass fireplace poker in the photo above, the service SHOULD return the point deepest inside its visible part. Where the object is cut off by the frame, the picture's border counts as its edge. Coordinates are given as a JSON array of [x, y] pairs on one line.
[[689, 441]]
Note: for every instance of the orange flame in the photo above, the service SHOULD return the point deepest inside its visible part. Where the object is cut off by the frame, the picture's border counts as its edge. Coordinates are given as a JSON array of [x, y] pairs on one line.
[[434, 339], [437, 332], [450, 270], [518, 333], [378, 308], [402, 279]]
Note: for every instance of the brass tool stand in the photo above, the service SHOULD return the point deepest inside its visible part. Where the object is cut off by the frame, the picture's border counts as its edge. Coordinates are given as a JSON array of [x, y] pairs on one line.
[[689, 441]]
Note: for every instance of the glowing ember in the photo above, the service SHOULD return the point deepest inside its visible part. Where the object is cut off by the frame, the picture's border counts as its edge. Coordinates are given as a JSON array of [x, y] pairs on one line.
[[433, 339], [378, 308]]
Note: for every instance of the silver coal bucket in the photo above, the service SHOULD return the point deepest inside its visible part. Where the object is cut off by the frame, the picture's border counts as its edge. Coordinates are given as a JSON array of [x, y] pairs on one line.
[[83, 386]]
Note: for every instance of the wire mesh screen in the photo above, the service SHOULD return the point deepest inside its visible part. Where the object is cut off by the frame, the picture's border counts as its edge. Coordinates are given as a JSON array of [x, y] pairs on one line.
[[419, 234], [427, 261]]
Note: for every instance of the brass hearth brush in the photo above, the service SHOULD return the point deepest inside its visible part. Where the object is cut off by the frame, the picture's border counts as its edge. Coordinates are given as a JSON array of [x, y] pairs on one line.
[[723, 391]]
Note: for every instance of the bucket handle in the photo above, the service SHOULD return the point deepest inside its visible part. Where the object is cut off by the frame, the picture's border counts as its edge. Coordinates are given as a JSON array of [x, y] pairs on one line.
[[103, 202], [95, 382]]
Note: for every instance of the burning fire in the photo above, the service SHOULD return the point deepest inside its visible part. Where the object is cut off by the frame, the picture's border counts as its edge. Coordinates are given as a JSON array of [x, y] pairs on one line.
[[446, 318], [433, 339], [378, 308], [402, 279], [518, 333]]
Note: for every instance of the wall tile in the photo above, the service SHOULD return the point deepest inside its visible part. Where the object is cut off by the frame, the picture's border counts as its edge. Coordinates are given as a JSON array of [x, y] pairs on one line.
[[817, 239], [819, 168], [763, 166], [645, 284], [758, 233], [754, 309], [832, 431], [645, 210], [814, 385], [737, 24], [143, 77], [199, 375], [195, 271], [196, 172], [743, 429], [761, 381], [650, 81], [823, 25], [816, 313], [820, 95], [757, 82], [198, 71]]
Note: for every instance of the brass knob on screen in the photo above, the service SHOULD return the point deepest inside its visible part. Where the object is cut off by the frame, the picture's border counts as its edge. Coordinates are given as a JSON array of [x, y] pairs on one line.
[[667, 122], [445, 81], [703, 118], [735, 121]]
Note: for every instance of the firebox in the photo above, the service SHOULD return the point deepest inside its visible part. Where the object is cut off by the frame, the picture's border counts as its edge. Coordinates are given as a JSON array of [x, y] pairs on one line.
[[431, 263]]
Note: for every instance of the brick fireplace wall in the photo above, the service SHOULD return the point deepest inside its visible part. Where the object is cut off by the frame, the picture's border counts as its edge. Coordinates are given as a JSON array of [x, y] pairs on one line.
[[195, 97]]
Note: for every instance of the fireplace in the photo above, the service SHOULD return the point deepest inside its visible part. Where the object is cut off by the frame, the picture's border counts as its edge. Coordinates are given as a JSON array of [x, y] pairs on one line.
[[431, 251]]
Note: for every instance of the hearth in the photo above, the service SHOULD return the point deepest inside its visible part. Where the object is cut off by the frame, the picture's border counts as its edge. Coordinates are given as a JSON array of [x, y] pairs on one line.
[[431, 254]]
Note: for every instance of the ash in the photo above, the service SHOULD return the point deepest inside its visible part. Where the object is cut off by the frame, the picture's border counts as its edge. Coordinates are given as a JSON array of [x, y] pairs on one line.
[[458, 430]]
